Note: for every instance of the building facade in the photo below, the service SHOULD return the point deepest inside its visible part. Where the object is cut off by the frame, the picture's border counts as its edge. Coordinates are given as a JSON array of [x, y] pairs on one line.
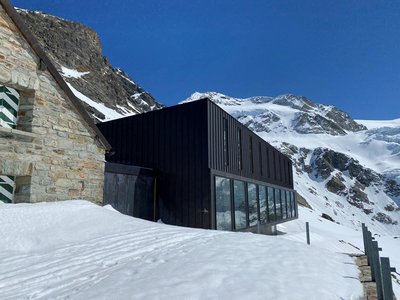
[[49, 147], [211, 171]]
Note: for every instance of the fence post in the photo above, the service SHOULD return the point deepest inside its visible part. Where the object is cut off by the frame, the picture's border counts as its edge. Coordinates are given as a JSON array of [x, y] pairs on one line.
[[364, 233], [386, 279], [308, 233], [376, 272], [370, 248]]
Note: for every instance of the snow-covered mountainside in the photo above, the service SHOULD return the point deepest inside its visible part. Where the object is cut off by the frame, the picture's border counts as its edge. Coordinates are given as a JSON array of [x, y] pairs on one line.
[[106, 92], [347, 169]]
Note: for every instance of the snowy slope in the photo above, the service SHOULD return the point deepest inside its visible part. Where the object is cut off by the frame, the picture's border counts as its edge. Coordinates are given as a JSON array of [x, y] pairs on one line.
[[77, 250], [347, 169]]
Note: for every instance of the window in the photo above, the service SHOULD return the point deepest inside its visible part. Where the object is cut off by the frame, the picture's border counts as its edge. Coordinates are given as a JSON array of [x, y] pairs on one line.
[[262, 195], [289, 173], [275, 166], [289, 204], [9, 102], [284, 204], [271, 205], [240, 204], [251, 154], [293, 200], [226, 151], [278, 204], [253, 204], [223, 203], [239, 150]]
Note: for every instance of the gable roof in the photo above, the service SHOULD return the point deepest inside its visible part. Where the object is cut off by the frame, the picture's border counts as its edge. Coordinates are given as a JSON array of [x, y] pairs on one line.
[[45, 60]]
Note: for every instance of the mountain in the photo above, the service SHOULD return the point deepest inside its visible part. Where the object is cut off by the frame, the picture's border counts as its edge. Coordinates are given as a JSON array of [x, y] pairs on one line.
[[346, 169], [106, 92]]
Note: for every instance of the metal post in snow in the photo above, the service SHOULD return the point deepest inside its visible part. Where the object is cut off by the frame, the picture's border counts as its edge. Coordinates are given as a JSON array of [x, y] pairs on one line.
[[368, 244], [308, 233], [387, 278], [376, 272], [364, 233]]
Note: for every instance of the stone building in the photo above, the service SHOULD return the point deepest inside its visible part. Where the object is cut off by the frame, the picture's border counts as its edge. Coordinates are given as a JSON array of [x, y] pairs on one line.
[[50, 149]]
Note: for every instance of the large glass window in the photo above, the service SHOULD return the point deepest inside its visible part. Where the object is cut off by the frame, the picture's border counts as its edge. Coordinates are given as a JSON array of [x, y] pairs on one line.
[[271, 205], [240, 204], [293, 204], [253, 204], [262, 195], [278, 204], [284, 204], [223, 203], [289, 204]]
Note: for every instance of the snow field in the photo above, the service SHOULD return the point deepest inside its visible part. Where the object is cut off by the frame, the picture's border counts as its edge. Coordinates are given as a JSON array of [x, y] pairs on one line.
[[77, 250]]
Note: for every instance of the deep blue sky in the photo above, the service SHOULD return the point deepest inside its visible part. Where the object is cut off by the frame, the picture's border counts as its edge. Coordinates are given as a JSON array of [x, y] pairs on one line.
[[340, 52]]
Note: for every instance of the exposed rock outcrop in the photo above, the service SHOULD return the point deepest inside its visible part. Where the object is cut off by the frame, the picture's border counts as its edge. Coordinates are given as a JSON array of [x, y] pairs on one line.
[[77, 47]]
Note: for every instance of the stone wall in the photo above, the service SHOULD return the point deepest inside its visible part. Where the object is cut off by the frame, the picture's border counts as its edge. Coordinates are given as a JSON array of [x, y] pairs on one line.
[[54, 153]]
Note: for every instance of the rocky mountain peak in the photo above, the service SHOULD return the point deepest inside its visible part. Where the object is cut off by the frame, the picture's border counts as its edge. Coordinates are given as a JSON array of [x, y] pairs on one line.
[[76, 50]]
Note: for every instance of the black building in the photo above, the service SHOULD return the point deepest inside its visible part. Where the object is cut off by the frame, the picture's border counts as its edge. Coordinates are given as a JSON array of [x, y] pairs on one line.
[[211, 171]]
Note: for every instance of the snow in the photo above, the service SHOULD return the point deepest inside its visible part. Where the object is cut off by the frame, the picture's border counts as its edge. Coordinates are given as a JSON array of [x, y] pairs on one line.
[[109, 113], [78, 250], [71, 73], [372, 124]]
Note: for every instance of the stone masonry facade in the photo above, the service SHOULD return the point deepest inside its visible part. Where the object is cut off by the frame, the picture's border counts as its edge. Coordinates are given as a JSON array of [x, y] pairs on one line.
[[53, 153]]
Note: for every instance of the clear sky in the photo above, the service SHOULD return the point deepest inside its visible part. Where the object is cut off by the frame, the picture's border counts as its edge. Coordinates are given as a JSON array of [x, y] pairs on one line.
[[340, 52]]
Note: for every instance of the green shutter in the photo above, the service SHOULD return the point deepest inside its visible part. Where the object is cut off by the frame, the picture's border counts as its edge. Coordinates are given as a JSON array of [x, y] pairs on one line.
[[7, 186], [9, 102]]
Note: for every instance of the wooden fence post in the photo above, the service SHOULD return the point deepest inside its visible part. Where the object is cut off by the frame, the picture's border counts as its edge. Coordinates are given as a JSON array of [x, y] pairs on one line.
[[308, 233]]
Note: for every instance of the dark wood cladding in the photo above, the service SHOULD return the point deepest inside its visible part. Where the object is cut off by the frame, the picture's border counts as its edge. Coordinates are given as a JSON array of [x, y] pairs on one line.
[[173, 142], [250, 157]]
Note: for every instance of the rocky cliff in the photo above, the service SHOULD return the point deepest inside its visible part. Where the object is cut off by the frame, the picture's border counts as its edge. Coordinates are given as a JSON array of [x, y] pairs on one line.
[[76, 51]]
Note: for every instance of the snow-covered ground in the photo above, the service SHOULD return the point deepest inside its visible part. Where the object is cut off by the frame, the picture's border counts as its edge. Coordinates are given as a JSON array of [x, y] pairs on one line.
[[77, 250]]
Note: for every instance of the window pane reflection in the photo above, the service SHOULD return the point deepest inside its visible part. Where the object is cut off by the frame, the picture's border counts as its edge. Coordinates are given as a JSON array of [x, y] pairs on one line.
[[263, 204], [289, 204], [253, 210], [271, 205], [278, 204], [283, 201], [293, 204], [240, 204], [223, 203]]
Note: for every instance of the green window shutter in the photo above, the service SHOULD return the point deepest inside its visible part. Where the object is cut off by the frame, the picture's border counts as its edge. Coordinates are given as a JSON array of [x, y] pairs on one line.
[[7, 186], [9, 102]]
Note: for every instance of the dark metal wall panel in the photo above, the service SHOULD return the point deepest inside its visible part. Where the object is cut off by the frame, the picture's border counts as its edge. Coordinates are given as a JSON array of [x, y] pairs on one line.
[[130, 190], [269, 167], [172, 141]]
